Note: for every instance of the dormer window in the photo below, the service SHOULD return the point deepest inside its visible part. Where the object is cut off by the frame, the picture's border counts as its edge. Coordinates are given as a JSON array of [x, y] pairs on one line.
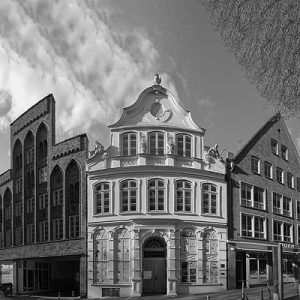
[[156, 143], [184, 145], [129, 144]]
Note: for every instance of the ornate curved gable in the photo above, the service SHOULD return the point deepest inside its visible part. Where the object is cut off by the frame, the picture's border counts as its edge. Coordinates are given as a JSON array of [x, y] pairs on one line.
[[156, 106]]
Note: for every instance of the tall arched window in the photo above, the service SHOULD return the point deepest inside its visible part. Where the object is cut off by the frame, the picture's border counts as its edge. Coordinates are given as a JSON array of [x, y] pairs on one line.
[[101, 256], [128, 195], [210, 257], [184, 145], [156, 194], [156, 143], [188, 256], [183, 195], [209, 198], [122, 256], [102, 195], [128, 144]]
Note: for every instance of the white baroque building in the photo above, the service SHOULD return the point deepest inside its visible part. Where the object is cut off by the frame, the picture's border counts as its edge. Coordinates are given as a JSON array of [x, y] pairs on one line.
[[157, 210]]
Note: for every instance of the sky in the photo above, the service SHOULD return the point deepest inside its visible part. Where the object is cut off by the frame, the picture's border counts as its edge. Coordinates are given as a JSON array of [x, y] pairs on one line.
[[97, 56]]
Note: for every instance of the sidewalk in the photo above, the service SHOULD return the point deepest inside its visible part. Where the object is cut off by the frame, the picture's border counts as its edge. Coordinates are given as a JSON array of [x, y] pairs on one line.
[[290, 293]]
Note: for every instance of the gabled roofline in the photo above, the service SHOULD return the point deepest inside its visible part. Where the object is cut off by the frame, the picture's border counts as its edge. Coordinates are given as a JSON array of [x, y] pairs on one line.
[[153, 88], [274, 118]]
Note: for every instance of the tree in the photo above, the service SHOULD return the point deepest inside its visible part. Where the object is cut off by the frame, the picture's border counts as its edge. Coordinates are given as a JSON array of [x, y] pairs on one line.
[[264, 37]]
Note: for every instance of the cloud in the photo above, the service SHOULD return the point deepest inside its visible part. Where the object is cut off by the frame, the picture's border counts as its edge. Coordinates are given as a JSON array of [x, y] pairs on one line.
[[206, 109], [69, 49]]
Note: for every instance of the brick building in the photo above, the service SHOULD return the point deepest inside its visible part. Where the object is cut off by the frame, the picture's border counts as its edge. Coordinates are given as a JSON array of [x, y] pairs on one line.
[[264, 207], [43, 206], [157, 209]]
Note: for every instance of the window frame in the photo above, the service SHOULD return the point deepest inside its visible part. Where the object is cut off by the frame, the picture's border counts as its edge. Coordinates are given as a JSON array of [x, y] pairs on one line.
[[279, 175], [74, 226], [284, 153], [157, 150], [184, 151], [284, 238], [251, 202], [131, 144], [255, 164], [274, 147], [131, 199], [268, 172], [157, 189], [209, 192], [103, 199], [251, 220], [185, 191], [57, 227], [290, 180]]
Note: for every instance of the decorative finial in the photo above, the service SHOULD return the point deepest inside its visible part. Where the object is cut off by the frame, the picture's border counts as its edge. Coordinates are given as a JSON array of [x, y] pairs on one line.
[[157, 79]]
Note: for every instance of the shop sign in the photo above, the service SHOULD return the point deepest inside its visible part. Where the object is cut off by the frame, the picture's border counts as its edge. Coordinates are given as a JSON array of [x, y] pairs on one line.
[[287, 245]]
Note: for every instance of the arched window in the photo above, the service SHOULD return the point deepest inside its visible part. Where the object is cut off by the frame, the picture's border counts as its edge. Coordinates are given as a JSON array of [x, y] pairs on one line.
[[100, 256], [156, 194], [128, 144], [128, 196], [188, 256], [71, 190], [122, 256], [17, 156], [76, 192], [183, 195], [102, 194], [210, 257], [156, 143], [209, 198], [45, 148], [184, 145]]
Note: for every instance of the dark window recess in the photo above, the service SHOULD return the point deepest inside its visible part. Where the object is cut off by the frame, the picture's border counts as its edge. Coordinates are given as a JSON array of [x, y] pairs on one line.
[[110, 292], [155, 254]]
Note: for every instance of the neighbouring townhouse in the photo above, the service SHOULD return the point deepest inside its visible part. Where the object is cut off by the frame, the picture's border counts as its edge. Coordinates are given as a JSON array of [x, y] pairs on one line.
[[43, 207], [264, 207], [157, 204]]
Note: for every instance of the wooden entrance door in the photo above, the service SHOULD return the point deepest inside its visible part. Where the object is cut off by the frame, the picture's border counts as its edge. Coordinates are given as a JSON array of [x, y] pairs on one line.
[[154, 276]]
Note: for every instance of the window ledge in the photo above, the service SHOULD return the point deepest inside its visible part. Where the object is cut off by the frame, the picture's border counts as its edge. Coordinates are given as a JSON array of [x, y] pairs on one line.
[[253, 238], [212, 216], [113, 285], [255, 208]]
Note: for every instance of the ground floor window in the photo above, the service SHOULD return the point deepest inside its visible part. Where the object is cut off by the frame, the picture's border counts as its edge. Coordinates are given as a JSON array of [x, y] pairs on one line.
[[188, 271]]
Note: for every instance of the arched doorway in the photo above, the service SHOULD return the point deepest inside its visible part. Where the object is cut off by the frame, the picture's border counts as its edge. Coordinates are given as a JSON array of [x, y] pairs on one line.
[[154, 266]]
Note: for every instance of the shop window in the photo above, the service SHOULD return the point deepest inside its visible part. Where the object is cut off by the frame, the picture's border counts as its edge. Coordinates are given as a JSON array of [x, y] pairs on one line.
[[101, 256], [129, 144], [122, 256], [156, 194], [210, 257], [156, 143], [188, 256], [184, 145], [209, 199], [183, 192], [102, 198], [128, 196]]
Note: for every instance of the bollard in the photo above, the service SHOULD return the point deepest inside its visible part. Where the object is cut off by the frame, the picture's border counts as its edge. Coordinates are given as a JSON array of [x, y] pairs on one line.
[[261, 295], [207, 298], [73, 294], [58, 295]]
